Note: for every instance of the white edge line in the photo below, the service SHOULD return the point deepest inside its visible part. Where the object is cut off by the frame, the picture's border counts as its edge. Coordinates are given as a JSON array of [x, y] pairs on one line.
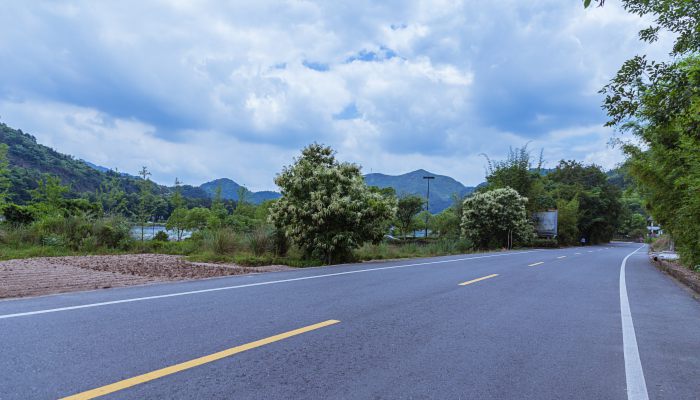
[[634, 374], [162, 296]]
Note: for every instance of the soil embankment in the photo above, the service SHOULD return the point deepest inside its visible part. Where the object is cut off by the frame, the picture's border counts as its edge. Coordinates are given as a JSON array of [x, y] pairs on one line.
[[48, 275]]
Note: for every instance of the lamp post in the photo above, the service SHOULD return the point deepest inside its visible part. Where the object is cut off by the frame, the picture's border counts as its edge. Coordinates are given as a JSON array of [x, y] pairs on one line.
[[427, 204]]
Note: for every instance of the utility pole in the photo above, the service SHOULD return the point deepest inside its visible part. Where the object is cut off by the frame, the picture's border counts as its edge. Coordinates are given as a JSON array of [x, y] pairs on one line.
[[427, 204]]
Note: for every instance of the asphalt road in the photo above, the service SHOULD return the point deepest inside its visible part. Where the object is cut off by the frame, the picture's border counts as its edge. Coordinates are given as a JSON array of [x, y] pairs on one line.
[[543, 324]]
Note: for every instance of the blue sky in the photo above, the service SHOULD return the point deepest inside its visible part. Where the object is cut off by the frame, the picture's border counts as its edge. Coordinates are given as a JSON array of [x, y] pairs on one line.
[[208, 89]]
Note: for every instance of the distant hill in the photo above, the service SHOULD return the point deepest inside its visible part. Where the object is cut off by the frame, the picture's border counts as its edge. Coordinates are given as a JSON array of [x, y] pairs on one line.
[[29, 160], [441, 188], [229, 190]]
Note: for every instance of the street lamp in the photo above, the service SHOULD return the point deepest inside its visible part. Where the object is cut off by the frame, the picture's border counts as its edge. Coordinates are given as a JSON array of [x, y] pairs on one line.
[[427, 204]]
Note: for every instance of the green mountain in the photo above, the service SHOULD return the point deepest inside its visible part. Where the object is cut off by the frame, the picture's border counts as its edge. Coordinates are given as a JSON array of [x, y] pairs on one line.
[[442, 188], [230, 190], [29, 160]]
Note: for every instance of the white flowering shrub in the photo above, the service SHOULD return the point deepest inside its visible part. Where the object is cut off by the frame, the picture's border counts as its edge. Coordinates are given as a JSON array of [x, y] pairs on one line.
[[326, 209], [496, 218]]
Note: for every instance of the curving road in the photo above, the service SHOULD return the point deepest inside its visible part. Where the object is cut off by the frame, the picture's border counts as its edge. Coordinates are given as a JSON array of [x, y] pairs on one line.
[[538, 324]]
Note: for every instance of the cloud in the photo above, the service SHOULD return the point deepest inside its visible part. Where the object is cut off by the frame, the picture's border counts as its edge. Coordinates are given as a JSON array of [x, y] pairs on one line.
[[202, 90]]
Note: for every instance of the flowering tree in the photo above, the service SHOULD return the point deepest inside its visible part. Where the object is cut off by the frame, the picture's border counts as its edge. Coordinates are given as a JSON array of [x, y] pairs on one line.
[[326, 208], [496, 218]]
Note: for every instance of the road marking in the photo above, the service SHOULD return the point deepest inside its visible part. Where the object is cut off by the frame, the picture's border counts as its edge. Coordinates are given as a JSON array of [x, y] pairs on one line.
[[163, 296], [535, 264], [578, 254], [478, 279], [590, 251], [561, 257], [636, 385], [127, 383]]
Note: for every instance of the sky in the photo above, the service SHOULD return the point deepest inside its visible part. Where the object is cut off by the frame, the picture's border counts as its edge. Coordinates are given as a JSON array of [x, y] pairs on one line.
[[207, 89]]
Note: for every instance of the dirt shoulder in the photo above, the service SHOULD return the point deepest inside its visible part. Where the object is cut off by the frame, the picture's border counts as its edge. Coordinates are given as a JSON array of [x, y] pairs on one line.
[[49, 275]]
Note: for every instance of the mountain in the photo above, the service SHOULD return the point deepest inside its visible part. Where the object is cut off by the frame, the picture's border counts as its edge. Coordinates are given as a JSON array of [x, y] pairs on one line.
[[230, 189], [29, 160], [442, 187]]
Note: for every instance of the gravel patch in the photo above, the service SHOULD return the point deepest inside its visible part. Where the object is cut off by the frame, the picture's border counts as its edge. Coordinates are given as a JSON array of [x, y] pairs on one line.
[[48, 275]]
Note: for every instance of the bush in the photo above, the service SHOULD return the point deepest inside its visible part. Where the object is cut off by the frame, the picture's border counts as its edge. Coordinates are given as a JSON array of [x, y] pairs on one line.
[[221, 241], [112, 232], [18, 215], [545, 243], [259, 241], [161, 236], [53, 240]]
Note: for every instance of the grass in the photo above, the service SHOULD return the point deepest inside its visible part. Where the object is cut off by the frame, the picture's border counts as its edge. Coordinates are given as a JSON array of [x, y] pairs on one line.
[[219, 246], [29, 251], [439, 247]]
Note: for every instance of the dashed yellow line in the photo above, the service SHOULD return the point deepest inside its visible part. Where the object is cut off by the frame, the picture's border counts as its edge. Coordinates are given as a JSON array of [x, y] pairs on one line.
[[101, 391], [478, 279], [536, 264]]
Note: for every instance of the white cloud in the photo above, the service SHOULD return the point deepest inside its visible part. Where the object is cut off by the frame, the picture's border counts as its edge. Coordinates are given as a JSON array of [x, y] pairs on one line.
[[202, 90]]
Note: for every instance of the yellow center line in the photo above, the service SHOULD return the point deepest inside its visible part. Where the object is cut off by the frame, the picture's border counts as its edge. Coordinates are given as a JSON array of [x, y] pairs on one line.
[[101, 391], [561, 257], [478, 279], [535, 264]]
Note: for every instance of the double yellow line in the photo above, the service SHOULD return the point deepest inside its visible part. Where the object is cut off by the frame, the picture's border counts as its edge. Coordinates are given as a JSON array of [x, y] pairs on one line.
[[127, 383]]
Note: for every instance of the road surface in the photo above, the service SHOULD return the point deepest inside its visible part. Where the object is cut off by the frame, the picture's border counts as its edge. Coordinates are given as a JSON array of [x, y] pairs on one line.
[[532, 324]]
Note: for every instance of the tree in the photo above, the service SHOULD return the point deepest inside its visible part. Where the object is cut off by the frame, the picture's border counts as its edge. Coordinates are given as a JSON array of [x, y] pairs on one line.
[[567, 223], [599, 205], [177, 222], [446, 223], [4, 175], [197, 218], [111, 195], [408, 207], [145, 206], [518, 172], [326, 208], [218, 210], [496, 218], [49, 195]]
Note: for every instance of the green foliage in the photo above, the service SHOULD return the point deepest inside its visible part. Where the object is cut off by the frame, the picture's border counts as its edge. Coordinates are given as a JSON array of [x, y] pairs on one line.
[[326, 208], [496, 218], [408, 207], [667, 167], [4, 175], [446, 224], [222, 241], [197, 218], [518, 172], [161, 236], [18, 215], [659, 102], [145, 205], [177, 222], [112, 197], [514, 172], [599, 205], [218, 210], [260, 240], [568, 219], [48, 198]]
